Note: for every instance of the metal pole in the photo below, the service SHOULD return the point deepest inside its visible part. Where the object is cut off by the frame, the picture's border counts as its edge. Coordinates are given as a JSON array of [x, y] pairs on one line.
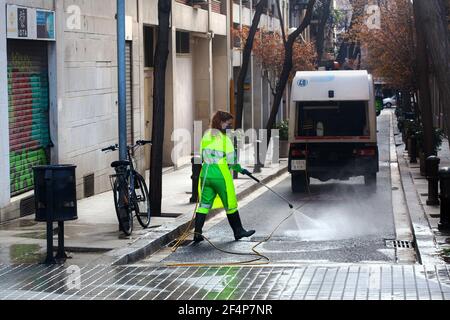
[[50, 214], [211, 65], [122, 79]]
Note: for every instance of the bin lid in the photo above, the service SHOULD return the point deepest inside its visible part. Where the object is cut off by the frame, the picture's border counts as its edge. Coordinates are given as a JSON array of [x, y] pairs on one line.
[[433, 158], [444, 172]]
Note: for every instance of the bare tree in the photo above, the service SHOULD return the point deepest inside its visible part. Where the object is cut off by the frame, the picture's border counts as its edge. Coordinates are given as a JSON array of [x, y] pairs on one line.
[[246, 55], [433, 17], [351, 49], [325, 12], [287, 65], [159, 92], [423, 73]]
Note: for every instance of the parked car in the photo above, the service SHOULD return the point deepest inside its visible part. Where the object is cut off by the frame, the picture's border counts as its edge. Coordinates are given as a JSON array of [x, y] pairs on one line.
[[389, 102]]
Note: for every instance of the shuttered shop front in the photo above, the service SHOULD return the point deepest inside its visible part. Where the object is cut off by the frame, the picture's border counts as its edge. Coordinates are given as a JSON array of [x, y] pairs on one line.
[[28, 93]]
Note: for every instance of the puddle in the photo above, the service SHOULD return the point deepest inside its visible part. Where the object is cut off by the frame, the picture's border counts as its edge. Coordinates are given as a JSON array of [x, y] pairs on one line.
[[26, 253], [40, 235], [25, 223]]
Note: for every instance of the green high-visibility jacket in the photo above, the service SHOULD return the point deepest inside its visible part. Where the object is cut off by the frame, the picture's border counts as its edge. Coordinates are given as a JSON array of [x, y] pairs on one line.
[[219, 156]]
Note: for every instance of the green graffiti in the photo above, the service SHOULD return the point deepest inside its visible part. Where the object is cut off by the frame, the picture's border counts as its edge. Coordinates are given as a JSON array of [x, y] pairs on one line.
[[28, 118], [22, 168], [20, 62]]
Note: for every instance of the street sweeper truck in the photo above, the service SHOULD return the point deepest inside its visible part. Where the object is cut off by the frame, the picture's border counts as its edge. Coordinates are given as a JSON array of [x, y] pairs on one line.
[[332, 128]]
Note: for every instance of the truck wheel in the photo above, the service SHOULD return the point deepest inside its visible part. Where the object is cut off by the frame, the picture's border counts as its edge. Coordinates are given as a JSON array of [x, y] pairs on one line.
[[300, 183], [370, 180]]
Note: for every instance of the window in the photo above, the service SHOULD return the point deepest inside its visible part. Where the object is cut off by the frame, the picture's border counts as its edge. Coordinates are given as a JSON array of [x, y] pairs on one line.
[[183, 45], [347, 118], [236, 37], [149, 45]]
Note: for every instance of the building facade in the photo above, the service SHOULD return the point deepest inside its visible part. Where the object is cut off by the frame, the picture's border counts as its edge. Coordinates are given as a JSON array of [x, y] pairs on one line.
[[58, 85]]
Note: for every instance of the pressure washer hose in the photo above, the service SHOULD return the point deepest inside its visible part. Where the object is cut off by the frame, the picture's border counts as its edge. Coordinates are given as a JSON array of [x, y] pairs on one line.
[[258, 256]]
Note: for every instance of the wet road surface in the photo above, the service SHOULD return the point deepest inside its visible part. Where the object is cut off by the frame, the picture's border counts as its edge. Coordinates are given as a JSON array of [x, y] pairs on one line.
[[338, 222]]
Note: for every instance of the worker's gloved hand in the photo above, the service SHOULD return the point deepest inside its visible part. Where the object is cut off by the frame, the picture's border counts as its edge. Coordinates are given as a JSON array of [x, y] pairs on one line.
[[246, 172]]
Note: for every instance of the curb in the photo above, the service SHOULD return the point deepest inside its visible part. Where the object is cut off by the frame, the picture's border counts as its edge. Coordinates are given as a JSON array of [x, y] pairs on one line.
[[425, 244], [402, 217], [162, 236]]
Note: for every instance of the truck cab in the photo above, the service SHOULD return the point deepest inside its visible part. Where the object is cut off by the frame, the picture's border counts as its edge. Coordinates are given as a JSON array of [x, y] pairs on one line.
[[332, 128]]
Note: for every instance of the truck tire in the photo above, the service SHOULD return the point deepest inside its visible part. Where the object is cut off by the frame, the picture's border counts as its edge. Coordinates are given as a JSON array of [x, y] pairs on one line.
[[370, 180], [300, 183]]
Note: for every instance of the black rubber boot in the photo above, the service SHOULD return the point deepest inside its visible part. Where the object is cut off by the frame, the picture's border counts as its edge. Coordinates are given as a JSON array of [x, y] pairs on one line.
[[236, 224], [199, 222]]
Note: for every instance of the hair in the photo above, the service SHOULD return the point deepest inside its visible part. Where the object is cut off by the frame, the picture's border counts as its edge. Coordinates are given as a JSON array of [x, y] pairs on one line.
[[220, 117]]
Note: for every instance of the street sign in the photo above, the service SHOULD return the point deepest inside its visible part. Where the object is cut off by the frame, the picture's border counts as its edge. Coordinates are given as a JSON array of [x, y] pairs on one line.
[[30, 23]]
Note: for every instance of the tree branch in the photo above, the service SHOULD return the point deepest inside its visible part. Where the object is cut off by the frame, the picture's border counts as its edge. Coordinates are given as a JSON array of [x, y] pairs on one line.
[[283, 32], [305, 23]]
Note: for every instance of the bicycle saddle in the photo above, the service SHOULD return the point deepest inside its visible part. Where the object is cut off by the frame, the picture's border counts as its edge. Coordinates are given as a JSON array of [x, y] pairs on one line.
[[117, 164]]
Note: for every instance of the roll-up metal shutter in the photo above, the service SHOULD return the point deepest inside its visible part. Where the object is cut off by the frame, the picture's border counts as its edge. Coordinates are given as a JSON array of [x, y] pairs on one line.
[[129, 85], [28, 111]]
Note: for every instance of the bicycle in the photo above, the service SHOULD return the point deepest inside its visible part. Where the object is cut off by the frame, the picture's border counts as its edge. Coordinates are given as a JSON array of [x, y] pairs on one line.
[[129, 190]]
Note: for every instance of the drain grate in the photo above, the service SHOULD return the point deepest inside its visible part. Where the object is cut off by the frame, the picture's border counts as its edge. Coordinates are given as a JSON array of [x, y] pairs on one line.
[[405, 244]]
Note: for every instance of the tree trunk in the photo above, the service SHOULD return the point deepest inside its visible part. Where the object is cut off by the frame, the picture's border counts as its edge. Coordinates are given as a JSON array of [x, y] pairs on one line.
[[326, 10], [433, 16], [246, 55], [424, 86], [159, 93], [287, 68]]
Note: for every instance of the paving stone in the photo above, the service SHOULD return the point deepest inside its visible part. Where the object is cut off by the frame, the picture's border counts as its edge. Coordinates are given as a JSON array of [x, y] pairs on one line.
[[255, 283]]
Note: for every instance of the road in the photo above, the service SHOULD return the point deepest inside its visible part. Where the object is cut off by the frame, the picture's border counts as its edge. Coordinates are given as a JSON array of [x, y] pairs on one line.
[[332, 247], [338, 222]]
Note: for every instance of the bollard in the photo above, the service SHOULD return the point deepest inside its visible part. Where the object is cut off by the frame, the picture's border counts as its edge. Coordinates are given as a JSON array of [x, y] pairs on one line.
[[196, 170], [432, 172], [258, 164], [412, 149], [405, 138], [444, 177]]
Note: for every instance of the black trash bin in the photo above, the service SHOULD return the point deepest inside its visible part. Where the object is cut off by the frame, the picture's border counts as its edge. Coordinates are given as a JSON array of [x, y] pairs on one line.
[[55, 201], [55, 193]]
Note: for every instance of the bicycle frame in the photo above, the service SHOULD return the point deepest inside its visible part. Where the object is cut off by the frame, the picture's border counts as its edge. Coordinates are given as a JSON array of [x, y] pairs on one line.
[[127, 172], [127, 199]]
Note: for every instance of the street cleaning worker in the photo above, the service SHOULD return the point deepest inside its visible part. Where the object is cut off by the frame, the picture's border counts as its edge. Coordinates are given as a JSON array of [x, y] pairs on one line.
[[216, 181]]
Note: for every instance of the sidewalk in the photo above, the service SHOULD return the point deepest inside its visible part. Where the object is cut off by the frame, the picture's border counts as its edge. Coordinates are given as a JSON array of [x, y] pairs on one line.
[[95, 235], [313, 282], [434, 246]]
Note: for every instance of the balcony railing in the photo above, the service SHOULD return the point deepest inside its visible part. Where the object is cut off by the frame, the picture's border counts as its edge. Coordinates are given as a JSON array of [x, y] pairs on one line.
[[217, 6]]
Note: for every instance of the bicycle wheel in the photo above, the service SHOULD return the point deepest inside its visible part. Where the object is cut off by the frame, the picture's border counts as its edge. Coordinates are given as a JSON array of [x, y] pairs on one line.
[[123, 210], [142, 201]]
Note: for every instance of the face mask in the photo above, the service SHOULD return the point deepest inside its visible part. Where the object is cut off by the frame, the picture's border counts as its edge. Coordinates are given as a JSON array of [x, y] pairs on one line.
[[227, 126]]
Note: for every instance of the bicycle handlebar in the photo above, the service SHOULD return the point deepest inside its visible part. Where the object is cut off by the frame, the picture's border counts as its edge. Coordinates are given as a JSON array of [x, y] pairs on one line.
[[143, 142], [138, 143], [111, 148]]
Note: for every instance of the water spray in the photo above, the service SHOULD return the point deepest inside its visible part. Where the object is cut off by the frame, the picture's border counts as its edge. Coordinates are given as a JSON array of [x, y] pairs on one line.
[[257, 258]]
